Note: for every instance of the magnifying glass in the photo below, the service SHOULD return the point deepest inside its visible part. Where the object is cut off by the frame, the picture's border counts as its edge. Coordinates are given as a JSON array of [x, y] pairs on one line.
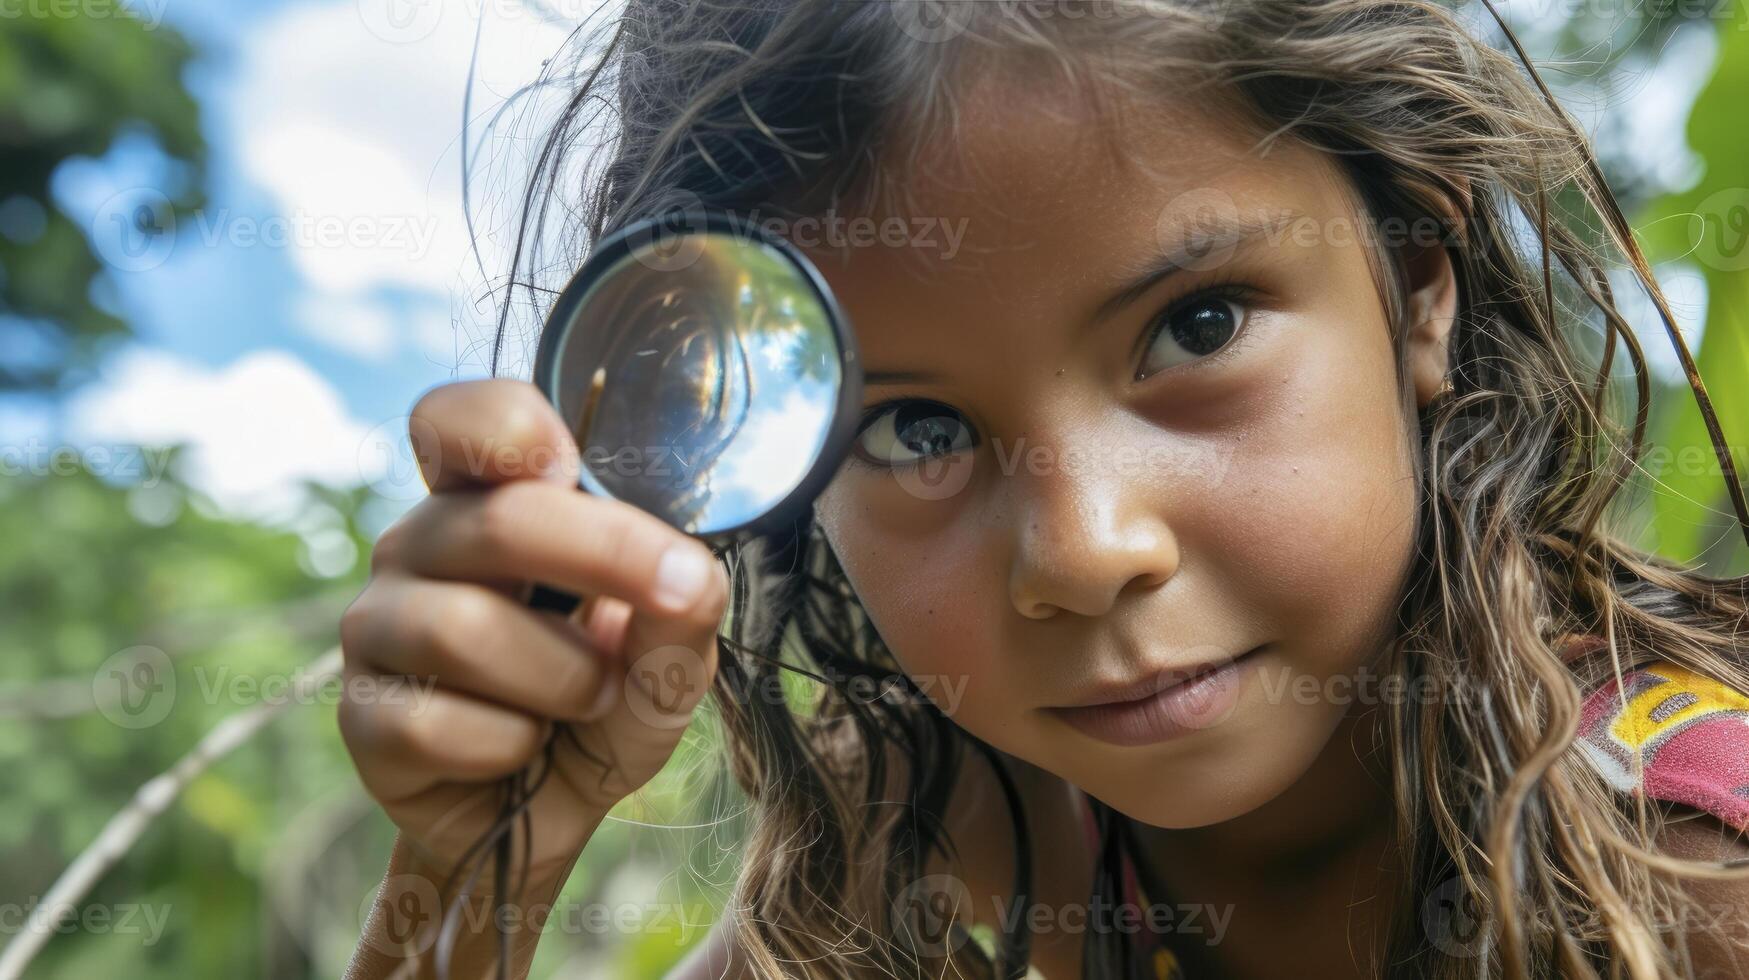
[[709, 377], [707, 374]]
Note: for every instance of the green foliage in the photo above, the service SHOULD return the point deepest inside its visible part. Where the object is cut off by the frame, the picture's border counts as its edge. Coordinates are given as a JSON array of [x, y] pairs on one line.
[[1709, 226], [262, 866], [68, 86], [81, 580]]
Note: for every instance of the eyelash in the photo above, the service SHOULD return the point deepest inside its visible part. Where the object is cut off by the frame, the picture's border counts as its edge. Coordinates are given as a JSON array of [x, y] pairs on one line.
[[1230, 290]]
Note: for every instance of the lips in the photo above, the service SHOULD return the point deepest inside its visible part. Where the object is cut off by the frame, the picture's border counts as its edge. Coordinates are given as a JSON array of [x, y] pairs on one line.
[[1117, 694], [1174, 702]]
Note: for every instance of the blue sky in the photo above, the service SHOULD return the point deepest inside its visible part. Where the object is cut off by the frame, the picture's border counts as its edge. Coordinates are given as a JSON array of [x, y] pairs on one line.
[[328, 280]]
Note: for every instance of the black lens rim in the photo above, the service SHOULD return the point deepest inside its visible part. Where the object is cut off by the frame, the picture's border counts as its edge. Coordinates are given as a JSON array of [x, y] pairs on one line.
[[671, 224]]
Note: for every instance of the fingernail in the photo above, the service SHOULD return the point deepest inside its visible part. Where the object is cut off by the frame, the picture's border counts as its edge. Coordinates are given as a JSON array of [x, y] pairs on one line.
[[681, 577]]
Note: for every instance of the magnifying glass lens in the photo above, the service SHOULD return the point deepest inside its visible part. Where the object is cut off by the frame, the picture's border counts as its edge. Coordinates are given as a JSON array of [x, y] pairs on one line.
[[704, 376]]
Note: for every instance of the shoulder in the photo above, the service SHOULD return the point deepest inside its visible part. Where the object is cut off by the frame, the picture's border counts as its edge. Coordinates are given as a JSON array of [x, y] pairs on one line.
[[1718, 939], [1673, 735]]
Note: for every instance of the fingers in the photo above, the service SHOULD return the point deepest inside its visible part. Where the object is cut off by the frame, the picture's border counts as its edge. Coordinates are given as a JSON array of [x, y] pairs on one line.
[[404, 745], [470, 639], [552, 534], [481, 433]]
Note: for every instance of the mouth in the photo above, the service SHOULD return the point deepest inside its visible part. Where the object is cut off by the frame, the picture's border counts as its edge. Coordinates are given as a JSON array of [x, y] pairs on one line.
[[1165, 705]]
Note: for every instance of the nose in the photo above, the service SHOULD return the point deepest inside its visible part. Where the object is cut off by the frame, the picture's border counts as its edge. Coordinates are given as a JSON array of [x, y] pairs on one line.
[[1084, 538]]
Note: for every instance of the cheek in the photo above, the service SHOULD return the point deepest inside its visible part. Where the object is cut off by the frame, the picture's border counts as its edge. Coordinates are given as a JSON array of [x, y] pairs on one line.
[[1326, 498], [920, 589]]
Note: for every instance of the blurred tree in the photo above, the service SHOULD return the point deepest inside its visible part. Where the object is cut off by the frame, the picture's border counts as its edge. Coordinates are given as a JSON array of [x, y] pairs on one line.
[[70, 82], [1708, 225], [137, 619]]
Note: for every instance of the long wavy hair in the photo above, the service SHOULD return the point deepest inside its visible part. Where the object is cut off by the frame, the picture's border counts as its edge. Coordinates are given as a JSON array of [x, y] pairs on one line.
[[795, 105]]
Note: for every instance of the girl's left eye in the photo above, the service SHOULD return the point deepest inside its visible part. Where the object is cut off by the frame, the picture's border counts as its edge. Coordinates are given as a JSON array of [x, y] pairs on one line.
[[1190, 330]]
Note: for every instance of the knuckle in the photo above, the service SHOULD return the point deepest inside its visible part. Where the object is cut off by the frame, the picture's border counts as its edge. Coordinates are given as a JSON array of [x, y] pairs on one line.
[[496, 523], [450, 624], [520, 408], [502, 516], [618, 540], [369, 727], [355, 626], [390, 548], [412, 733]]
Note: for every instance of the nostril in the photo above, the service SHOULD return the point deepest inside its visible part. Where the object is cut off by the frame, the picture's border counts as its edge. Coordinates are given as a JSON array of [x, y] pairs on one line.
[[1034, 609], [1146, 581]]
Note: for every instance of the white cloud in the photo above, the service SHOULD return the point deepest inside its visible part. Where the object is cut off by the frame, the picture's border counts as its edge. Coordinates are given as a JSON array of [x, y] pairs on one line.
[[349, 113], [254, 428], [364, 329]]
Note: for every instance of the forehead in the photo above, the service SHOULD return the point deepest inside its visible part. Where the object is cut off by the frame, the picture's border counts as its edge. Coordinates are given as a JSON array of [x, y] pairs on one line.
[[1034, 174]]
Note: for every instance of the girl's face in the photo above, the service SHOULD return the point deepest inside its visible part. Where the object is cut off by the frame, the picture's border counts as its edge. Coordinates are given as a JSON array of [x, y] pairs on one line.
[[1083, 474]]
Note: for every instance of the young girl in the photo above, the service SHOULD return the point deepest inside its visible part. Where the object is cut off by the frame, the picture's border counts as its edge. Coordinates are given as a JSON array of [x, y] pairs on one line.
[[1219, 583]]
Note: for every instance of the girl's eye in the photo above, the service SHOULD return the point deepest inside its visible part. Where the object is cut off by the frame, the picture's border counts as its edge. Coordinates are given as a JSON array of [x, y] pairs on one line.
[[1192, 329], [905, 433]]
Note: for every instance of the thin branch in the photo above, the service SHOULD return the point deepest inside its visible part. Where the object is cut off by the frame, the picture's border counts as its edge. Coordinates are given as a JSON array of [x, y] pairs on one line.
[[130, 823]]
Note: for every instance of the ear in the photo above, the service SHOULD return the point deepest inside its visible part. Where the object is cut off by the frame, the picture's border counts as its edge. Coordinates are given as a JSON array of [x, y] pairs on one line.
[[1432, 309]]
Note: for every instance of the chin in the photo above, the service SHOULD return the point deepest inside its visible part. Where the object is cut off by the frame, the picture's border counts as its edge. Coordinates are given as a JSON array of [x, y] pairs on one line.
[[1182, 811]]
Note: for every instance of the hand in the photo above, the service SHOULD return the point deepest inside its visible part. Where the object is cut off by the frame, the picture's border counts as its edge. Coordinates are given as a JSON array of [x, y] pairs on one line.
[[443, 607]]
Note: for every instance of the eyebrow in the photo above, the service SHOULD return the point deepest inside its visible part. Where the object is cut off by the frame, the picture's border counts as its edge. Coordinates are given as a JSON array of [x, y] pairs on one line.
[[1233, 233], [1225, 233]]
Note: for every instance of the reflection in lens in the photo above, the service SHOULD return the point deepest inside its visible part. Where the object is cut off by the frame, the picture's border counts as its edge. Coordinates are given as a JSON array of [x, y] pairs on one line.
[[719, 382]]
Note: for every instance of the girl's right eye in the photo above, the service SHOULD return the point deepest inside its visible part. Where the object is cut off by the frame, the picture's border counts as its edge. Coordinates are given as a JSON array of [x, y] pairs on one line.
[[906, 433]]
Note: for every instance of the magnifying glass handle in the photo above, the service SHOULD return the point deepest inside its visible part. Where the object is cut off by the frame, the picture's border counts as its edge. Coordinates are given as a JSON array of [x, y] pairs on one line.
[[538, 596], [544, 597]]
